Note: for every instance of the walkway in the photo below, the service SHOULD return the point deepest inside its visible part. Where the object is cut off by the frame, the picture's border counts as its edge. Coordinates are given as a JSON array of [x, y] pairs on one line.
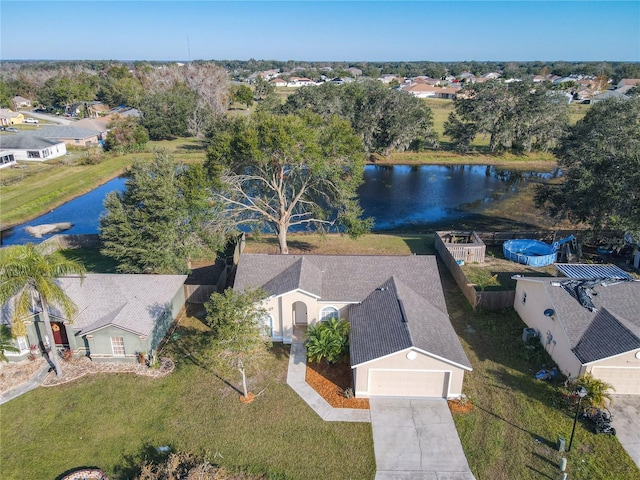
[[35, 381], [626, 420]]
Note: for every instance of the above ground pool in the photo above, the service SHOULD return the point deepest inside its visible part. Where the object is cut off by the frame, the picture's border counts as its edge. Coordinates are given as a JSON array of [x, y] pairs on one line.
[[532, 252]]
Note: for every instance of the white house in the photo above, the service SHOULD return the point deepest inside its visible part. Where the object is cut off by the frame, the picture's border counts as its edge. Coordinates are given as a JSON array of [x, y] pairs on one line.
[[31, 147]]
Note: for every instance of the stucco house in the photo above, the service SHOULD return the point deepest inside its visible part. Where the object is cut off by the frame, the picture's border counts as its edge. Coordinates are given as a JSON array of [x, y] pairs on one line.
[[118, 316], [9, 117], [586, 325], [21, 102], [69, 134], [32, 148], [402, 342], [7, 158]]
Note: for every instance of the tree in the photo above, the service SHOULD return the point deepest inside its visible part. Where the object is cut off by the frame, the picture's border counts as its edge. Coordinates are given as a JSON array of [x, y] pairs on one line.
[[161, 220], [263, 88], [166, 115], [328, 340], [287, 171], [126, 135], [237, 324], [600, 161], [28, 276], [514, 116], [598, 392], [243, 94], [385, 119], [6, 343]]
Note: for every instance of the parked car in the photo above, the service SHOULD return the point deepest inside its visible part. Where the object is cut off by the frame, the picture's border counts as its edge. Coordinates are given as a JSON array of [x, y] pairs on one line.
[[11, 129], [30, 120]]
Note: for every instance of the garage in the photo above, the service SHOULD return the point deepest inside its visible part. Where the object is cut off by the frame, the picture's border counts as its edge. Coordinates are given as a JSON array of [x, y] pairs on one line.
[[408, 383], [626, 381]]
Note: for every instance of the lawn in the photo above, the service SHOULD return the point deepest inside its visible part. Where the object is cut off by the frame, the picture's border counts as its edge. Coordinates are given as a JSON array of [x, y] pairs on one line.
[[511, 432], [114, 421]]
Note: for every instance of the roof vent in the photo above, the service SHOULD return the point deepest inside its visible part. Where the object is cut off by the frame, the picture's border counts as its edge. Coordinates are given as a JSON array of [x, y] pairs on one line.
[[549, 312]]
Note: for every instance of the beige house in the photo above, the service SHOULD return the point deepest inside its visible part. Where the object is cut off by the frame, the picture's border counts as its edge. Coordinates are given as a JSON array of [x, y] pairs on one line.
[[402, 342], [9, 117], [588, 325]]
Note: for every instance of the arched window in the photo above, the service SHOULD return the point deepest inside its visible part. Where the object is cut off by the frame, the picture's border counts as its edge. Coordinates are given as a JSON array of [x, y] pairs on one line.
[[328, 312]]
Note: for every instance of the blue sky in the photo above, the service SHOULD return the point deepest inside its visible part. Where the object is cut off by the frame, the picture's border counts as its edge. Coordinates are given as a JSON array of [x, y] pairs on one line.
[[315, 30]]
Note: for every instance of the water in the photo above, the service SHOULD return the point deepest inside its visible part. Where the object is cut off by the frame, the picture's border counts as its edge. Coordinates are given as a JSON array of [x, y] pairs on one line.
[[84, 212], [397, 196], [402, 195]]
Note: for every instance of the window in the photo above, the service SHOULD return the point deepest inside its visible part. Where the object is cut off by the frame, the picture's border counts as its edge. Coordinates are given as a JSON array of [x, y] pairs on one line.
[[328, 312], [524, 297], [23, 345], [117, 346], [33, 154], [267, 323]]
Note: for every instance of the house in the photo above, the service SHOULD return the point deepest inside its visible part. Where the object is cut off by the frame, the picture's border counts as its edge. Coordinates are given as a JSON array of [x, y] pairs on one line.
[[586, 325], [278, 82], [31, 147], [355, 72], [69, 134], [95, 124], [390, 77], [299, 82], [402, 342], [626, 82], [9, 117], [21, 102], [118, 316]]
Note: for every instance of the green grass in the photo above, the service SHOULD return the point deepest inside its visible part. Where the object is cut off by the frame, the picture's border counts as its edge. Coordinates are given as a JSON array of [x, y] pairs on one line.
[[42, 187], [92, 259], [113, 421]]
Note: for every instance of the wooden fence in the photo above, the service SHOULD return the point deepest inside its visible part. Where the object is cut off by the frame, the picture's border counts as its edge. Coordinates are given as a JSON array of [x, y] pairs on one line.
[[471, 250], [493, 300]]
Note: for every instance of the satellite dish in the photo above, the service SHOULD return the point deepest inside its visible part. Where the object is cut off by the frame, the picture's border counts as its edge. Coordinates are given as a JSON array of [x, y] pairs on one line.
[[549, 312]]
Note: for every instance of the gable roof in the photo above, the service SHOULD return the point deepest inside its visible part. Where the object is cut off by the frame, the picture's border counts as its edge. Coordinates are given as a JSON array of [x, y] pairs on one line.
[[398, 299], [131, 302], [393, 318], [610, 328], [63, 132]]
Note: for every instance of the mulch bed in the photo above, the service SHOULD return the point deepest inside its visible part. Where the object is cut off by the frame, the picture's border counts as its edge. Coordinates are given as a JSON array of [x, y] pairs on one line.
[[330, 381], [456, 406]]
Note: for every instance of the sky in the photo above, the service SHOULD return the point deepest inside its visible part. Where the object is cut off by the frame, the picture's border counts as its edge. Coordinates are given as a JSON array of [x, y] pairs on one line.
[[320, 30]]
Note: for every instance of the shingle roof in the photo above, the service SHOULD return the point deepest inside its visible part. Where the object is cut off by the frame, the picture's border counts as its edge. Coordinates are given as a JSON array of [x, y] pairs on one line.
[[26, 142], [377, 283], [62, 132], [131, 302], [612, 328]]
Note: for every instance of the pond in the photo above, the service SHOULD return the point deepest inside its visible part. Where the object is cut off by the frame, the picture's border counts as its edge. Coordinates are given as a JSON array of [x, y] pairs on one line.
[[396, 196]]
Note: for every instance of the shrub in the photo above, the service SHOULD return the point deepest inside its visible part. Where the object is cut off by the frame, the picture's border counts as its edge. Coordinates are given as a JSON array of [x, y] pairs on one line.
[[598, 392], [328, 340]]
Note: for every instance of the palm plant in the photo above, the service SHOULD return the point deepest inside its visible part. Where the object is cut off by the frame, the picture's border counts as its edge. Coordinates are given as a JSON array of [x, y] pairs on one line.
[[28, 276], [598, 392], [6, 342], [328, 340]]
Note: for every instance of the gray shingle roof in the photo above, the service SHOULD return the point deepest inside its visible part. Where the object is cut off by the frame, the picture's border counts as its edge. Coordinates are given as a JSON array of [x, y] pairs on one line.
[[63, 132], [379, 326], [614, 326], [26, 142]]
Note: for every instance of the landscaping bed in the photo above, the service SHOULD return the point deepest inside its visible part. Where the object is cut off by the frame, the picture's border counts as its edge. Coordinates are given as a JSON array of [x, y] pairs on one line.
[[330, 381]]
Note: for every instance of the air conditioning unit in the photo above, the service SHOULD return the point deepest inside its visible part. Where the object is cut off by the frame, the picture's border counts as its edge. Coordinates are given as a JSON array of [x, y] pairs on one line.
[[529, 334]]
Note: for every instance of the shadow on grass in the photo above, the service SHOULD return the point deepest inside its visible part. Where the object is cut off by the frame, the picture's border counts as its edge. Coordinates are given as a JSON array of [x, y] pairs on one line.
[[533, 435], [132, 464], [541, 473]]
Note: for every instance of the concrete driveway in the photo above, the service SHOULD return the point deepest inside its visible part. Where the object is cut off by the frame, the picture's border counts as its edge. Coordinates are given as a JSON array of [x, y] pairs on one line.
[[626, 420], [416, 439]]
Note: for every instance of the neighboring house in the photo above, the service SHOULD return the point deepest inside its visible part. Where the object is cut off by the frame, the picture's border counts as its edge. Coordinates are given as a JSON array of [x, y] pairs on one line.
[[7, 158], [118, 316], [95, 124], [628, 82], [299, 82], [586, 326], [31, 147], [21, 102], [608, 94], [402, 342], [69, 134], [9, 117], [422, 90], [278, 82], [355, 72], [390, 77]]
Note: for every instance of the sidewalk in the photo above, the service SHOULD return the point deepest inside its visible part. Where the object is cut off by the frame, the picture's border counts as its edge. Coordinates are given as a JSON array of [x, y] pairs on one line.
[[35, 381], [296, 380]]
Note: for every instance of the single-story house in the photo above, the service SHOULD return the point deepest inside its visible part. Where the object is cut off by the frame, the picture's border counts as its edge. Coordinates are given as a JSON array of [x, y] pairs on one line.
[[118, 316], [278, 82], [69, 134], [402, 342], [9, 117], [31, 147], [21, 102], [299, 82], [586, 325]]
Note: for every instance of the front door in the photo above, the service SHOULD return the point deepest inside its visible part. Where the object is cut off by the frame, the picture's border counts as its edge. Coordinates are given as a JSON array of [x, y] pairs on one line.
[[299, 313], [59, 334]]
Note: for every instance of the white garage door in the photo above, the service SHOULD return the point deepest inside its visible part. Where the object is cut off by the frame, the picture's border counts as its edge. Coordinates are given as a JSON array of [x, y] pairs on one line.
[[625, 380], [408, 383]]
